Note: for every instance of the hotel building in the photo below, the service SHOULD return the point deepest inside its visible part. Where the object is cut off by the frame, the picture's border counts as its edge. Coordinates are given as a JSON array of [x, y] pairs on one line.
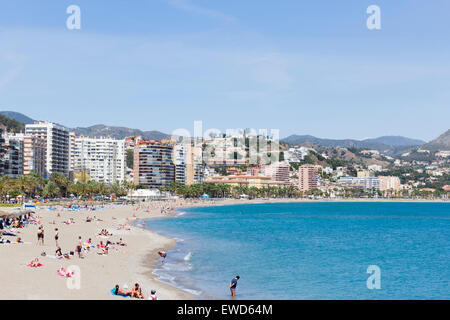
[[153, 164], [365, 183], [188, 164], [249, 181], [307, 177], [389, 183], [103, 159], [278, 171], [11, 154], [57, 145], [34, 153], [71, 152]]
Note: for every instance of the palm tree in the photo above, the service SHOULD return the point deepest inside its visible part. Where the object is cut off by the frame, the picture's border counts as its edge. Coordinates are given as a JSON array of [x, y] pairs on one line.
[[51, 190], [7, 184], [61, 180]]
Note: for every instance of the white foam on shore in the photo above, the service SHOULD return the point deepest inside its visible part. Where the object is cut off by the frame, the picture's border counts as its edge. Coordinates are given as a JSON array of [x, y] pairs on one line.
[[188, 257]]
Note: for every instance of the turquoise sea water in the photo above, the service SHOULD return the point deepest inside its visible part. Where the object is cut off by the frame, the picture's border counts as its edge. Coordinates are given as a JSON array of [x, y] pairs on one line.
[[310, 250]]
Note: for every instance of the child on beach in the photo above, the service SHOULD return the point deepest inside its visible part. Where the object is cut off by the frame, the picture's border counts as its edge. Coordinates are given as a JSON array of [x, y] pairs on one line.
[[153, 295]]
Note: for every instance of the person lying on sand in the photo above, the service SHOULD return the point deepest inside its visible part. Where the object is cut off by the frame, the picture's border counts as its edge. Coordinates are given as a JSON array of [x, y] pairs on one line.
[[121, 243], [105, 233], [2, 240], [35, 263], [64, 273], [119, 292]]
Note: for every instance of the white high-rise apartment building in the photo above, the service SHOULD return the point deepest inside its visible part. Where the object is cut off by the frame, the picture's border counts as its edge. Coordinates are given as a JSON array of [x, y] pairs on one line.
[[102, 158], [188, 164], [57, 145]]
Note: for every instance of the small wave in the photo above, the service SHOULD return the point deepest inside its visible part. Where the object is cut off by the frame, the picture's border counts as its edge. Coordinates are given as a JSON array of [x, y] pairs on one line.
[[181, 213], [192, 291], [165, 277], [176, 267], [188, 257]]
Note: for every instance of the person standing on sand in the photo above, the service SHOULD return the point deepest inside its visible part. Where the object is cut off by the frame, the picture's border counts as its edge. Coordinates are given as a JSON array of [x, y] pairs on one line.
[[56, 236], [163, 255], [40, 235], [79, 247], [233, 285]]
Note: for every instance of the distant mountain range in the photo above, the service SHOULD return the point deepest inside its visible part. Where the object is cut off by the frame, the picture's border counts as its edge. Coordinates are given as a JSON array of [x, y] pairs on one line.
[[17, 116], [440, 143], [98, 130], [118, 132], [385, 144]]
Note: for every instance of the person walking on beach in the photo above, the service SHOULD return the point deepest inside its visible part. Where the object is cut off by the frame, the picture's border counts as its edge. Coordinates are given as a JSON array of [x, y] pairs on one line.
[[233, 285], [163, 255], [40, 235], [56, 236]]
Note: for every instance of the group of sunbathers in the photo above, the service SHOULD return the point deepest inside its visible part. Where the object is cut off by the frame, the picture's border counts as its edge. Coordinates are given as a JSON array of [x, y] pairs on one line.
[[105, 233], [136, 292]]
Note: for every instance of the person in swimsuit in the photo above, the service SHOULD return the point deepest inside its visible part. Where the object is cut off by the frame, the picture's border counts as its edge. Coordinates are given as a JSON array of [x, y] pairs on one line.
[[56, 236], [163, 255], [58, 253], [79, 248], [118, 292], [233, 285], [136, 292], [40, 236]]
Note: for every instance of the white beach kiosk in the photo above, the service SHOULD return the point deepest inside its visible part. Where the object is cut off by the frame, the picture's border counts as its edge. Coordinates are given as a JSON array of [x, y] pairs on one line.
[[28, 205]]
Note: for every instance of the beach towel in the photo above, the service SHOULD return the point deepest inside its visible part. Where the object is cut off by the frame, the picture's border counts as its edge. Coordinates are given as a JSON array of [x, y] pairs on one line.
[[121, 295]]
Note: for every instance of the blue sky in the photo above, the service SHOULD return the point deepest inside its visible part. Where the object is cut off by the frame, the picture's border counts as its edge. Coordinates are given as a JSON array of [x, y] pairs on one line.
[[304, 67]]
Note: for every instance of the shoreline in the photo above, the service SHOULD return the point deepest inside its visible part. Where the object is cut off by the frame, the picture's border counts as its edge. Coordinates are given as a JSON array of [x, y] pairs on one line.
[[136, 262], [231, 202]]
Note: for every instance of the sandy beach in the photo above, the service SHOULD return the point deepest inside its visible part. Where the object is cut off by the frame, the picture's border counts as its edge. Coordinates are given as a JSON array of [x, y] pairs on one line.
[[99, 273]]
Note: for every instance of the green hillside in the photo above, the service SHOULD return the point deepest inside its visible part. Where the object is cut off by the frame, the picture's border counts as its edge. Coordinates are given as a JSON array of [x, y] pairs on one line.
[[11, 124]]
